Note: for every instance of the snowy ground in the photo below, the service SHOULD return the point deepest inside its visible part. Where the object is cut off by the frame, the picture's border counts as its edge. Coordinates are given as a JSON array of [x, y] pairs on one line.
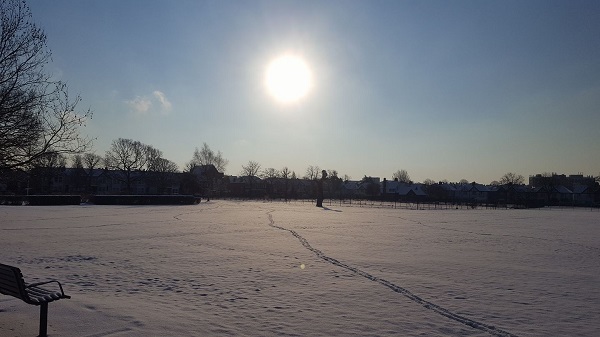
[[271, 269]]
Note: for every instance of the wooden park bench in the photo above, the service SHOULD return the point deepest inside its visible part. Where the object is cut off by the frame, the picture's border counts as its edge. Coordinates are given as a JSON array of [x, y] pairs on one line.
[[12, 283]]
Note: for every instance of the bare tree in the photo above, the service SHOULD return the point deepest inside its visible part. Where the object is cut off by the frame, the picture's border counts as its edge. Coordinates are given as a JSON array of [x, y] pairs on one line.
[[285, 174], [126, 156], [91, 162], [206, 156], [401, 176], [163, 174], [36, 113], [45, 168], [312, 172], [77, 175], [334, 183], [189, 167], [77, 161], [51, 159], [371, 186], [428, 182], [270, 175], [512, 178], [154, 158], [251, 171], [163, 165], [463, 182], [320, 182]]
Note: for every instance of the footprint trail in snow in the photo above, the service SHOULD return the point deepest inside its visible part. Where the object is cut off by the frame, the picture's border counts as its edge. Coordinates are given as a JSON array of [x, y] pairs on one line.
[[492, 330]]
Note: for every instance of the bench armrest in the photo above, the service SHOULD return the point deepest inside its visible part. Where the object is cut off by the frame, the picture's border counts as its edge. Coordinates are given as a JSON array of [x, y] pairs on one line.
[[51, 281]]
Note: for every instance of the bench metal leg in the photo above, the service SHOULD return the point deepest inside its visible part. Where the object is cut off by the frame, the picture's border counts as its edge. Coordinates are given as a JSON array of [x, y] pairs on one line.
[[43, 320]]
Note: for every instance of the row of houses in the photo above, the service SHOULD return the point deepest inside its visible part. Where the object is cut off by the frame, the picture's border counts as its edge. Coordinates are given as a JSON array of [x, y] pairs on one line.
[[207, 181], [522, 195]]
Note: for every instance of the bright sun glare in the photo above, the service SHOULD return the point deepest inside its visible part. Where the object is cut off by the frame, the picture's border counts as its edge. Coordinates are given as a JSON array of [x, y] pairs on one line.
[[288, 78]]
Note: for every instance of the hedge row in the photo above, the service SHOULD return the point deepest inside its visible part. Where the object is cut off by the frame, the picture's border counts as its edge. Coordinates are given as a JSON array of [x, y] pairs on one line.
[[40, 200], [144, 199], [53, 200]]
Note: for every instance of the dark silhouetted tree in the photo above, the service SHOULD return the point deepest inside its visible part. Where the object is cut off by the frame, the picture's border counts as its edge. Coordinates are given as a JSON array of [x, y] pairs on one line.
[[128, 157], [270, 175], [206, 156], [77, 175], [312, 173], [154, 158], [334, 183], [512, 178], [250, 170], [44, 170], [77, 161], [163, 174], [401, 176], [320, 182], [37, 116], [91, 161], [285, 175], [428, 182], [371, 187]]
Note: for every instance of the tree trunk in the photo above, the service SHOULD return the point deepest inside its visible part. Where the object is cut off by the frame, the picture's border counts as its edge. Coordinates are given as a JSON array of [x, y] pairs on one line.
[[320, 188], [320, 193]]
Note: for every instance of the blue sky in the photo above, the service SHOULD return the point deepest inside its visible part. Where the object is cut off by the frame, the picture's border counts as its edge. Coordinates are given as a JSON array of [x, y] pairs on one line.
[[442, 89]]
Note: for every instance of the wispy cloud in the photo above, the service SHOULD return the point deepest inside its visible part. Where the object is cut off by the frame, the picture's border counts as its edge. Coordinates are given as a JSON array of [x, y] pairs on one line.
[[139, 104], [144, 104], [162, 99]]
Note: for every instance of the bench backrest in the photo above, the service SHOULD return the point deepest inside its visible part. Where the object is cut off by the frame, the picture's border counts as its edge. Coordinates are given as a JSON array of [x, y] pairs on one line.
[[11, 282]]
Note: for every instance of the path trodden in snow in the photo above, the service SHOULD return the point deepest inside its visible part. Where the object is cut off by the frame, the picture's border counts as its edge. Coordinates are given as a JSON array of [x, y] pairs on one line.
[[436, 308]]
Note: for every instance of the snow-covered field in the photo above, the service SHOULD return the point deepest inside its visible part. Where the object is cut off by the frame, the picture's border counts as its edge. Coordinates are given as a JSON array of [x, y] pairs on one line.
[[228, 268]]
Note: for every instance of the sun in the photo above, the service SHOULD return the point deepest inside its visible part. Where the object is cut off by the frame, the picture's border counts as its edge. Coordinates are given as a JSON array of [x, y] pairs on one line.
[[288, 78]]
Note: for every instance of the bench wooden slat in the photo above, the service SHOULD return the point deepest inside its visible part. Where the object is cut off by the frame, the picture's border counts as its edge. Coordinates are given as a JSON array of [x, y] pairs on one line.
[[11, 281], [13, 284], [42, 295]]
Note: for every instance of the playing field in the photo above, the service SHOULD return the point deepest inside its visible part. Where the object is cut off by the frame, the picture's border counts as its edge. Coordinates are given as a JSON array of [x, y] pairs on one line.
[[228, 268]]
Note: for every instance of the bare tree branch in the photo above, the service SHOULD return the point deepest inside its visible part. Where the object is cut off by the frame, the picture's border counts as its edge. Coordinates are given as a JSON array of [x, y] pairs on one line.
[[37, 116], [401, 176], [206, 156]]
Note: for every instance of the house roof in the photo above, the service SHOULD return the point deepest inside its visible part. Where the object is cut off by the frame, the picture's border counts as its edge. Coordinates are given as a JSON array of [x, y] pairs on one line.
[[562, 189], [481, 188], [200, 170], [401, 188], [580, 189]]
